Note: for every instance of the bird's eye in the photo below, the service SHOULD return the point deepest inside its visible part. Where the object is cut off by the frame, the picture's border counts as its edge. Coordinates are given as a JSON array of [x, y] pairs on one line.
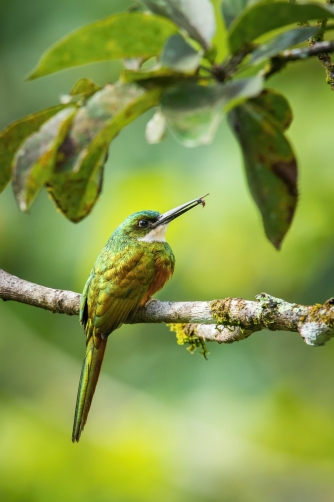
[[142, 223]]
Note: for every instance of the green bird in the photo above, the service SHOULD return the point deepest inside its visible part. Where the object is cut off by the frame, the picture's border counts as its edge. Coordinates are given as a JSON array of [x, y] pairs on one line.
[[134, 264]]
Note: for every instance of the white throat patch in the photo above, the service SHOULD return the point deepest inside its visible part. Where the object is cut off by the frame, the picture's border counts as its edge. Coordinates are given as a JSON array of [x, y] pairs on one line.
[[155, 235]]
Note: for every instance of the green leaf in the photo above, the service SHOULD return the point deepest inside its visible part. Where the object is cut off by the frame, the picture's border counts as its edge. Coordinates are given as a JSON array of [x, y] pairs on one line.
[[103, 116], [84, 86], [264, 17], [76, 193], [12, 137], [211, 54], [82, 89], [76, 182], [127, 35], [193, 112], [157, 74], [195, 16], [270, 164], [277, 106], [35, 159], [282, 42], [232, 9], [179, 55]]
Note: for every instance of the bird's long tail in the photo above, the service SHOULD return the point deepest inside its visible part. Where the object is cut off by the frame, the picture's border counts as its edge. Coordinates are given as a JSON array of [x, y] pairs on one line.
[[89, 376]]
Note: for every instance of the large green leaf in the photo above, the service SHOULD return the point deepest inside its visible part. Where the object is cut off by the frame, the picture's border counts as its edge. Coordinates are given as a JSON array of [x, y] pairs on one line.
[[127, 35], [193, 112], [195, 16], [76, 182], [15, 134], [264, 17], [281, 42], [232, 9], [179, 55], [76, 193], [103, 115], [270, 164], [35, 159], [277, 106]]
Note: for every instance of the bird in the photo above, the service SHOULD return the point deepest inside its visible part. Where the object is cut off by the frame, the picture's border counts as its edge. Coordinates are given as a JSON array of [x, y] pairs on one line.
[[135, 263]]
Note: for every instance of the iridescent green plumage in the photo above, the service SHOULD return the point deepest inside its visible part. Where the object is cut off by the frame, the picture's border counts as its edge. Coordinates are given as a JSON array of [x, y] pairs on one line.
[[135, 263]]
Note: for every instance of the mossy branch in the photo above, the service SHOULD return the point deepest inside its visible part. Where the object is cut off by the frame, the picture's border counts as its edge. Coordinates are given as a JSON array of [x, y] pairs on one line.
[[223, 321]]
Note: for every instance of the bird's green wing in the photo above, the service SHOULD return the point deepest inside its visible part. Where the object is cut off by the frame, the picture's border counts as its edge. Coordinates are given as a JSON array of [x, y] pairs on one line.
[[117, 287]]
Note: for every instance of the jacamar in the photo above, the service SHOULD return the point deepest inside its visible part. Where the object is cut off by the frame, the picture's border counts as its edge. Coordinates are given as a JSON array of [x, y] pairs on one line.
[[135, 263]]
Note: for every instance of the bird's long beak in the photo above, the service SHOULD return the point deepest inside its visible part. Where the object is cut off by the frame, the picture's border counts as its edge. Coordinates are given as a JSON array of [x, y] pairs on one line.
[[176, 212]]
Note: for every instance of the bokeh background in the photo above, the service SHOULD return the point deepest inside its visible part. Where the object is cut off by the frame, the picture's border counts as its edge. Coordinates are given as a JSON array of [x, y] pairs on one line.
[[253, 423]]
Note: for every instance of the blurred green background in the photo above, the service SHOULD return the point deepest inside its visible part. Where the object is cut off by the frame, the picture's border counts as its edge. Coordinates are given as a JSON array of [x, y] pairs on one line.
[[254, 423]]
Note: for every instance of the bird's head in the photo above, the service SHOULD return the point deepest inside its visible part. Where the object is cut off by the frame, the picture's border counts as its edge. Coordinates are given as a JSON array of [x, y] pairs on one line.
[[150, 226]]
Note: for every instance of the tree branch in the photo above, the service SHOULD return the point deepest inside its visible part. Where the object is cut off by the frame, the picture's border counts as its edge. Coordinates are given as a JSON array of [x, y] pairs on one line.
[[224, 321], [324, 57], [324, 47], [278, 62]]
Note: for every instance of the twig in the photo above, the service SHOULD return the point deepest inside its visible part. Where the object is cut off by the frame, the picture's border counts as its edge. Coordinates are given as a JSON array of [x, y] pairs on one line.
[[278, 62], [324, 58], [224, 321], [326, 46]]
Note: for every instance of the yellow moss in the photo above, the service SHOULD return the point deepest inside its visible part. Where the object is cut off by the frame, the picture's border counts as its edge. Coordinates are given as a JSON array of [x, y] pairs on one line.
[[321, 313], [218, 311], [186, 335]]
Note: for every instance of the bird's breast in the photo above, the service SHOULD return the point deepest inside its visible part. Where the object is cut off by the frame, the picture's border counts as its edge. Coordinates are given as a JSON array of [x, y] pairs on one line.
[[164, 262]]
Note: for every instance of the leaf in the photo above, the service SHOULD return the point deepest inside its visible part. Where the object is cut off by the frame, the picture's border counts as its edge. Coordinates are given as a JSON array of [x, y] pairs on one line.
[[264, 17], [76, 182], [155, 74], [193, 112], [104, 115], [156, 128], [236, 91], [127, 35], [133, 63], [14, 135], [76, 193], [179, 55], [197, 17], [84, 86], [270, 164], [277, 106], [282, 42], [232, 9], [35, 159]]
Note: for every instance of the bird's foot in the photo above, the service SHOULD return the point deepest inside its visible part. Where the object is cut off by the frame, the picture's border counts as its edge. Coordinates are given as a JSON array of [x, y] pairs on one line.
[[150, 300]]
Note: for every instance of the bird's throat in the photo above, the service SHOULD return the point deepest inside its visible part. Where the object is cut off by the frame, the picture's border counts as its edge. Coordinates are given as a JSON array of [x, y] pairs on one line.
[[155, 235]]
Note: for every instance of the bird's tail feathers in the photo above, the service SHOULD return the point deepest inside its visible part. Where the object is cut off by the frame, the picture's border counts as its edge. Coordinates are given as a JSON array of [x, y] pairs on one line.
[[88, 379]]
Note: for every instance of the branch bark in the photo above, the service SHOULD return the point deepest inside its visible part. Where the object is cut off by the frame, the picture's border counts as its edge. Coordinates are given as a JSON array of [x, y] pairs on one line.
[[318, 49], [224, 321], [324, 47]]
